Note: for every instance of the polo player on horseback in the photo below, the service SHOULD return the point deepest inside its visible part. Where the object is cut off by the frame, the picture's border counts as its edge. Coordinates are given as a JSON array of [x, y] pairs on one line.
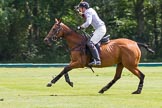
[[92, 18]]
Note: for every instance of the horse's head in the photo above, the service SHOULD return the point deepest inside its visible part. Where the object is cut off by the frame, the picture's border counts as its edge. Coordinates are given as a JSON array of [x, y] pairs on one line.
[[55, 32]]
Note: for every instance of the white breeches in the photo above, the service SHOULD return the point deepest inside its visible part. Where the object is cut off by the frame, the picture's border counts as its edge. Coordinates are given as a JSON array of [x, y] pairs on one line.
[[98, 34]]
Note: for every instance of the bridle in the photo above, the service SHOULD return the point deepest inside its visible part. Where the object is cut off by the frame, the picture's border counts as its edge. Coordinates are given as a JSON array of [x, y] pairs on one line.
[[56, 32], [54, 37]]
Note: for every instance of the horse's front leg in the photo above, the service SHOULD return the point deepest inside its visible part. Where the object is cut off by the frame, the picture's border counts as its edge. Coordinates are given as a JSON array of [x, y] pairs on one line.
[[67, 79], [64, 71]]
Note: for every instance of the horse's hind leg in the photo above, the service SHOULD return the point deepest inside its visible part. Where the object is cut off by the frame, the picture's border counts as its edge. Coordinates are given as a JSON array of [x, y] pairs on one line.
[[141, 76], [116, 77]]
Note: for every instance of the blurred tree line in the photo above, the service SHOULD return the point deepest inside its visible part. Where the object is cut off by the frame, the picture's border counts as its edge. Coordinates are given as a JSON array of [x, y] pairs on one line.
[[25, 23]]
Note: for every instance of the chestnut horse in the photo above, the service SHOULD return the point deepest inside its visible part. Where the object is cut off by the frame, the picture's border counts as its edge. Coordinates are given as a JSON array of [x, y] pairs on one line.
[[123, 52]]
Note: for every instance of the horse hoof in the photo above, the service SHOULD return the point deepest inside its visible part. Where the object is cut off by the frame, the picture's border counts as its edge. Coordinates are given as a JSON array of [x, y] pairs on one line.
[[101, 91], [136, 92], [71, 84], [49, 85]]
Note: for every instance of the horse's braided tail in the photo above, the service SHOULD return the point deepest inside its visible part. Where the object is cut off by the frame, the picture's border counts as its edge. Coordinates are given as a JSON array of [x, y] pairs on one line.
[[146, 47]]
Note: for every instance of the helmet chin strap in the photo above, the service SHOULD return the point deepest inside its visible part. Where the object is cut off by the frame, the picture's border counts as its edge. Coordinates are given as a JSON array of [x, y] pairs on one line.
[[82, 10]]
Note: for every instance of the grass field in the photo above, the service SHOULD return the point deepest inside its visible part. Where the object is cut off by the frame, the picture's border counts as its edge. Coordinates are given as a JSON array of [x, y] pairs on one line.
[[26, 88]]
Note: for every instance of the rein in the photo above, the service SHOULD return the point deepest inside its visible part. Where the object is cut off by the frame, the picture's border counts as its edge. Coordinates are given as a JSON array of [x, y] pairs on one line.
[[78, 47]]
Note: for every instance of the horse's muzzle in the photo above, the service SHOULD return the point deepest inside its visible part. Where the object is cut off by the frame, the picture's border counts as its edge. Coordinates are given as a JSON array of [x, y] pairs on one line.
[[47, 41]]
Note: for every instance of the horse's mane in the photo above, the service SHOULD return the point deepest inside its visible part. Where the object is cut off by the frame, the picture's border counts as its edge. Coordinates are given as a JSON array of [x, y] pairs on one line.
[[75, 31]]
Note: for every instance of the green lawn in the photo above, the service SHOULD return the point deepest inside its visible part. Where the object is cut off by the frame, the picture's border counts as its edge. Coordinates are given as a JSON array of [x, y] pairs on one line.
[[26, 88]]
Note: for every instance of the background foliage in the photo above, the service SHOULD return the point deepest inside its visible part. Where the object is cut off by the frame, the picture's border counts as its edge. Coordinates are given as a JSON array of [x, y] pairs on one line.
[[25, 23]]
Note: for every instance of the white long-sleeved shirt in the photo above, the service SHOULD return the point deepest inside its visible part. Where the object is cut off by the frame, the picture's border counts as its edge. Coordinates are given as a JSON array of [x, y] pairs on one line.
[[92, 18]]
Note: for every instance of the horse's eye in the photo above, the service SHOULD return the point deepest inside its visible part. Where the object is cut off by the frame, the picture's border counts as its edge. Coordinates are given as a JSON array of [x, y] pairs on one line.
[[53, 29]]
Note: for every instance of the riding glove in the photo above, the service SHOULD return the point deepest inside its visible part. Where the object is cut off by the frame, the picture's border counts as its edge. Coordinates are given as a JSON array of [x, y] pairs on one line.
[[78, 27]]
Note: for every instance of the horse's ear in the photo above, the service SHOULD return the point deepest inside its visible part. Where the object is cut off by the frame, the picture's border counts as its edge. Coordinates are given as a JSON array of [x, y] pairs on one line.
[[59, 21], [56, 20]]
